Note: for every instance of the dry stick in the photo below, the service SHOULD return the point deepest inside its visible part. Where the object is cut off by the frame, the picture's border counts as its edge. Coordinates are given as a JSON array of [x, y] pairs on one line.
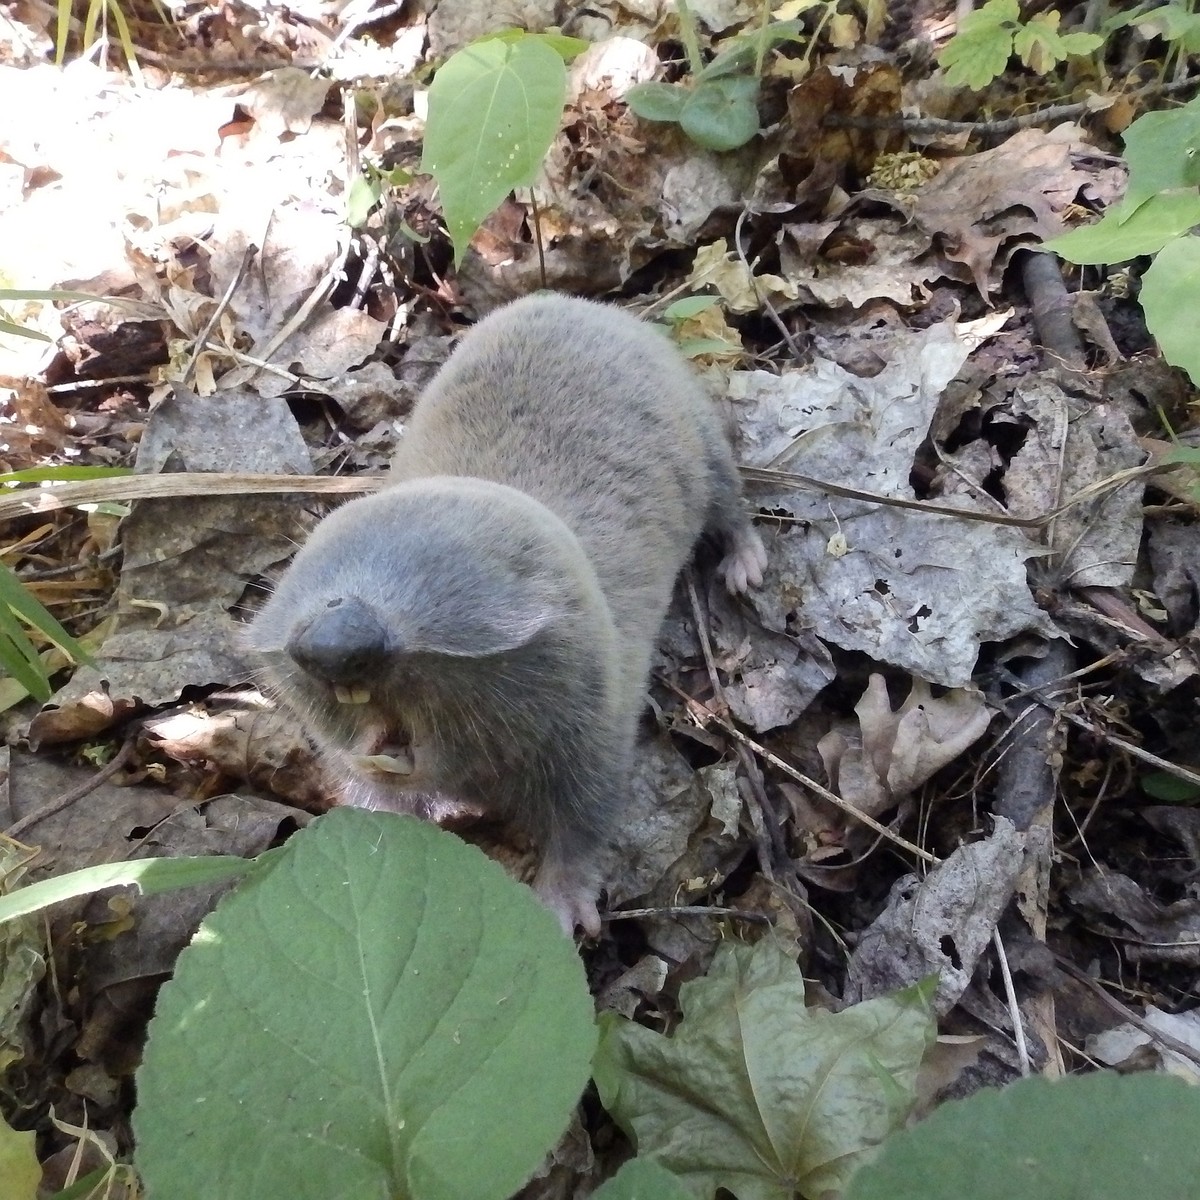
[[705, 715], [758, 294], [75, 794], [1014, 1010], [1155, 1035], [1055, 113], [687, 910], [201, 341], [537, 235], [1129, 748], [48, 498], [768, 837], [776, 478], [1050, 305]]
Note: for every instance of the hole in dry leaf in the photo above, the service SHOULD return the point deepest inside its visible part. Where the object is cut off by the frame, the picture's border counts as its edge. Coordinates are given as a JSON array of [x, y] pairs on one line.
[[950, 950]]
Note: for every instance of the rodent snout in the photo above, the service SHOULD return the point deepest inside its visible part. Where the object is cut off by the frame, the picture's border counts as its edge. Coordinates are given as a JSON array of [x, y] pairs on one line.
[[343, 645]]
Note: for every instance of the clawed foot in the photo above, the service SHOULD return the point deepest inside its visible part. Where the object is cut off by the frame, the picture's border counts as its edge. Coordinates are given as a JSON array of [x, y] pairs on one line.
[[742, 568], [574, 904]]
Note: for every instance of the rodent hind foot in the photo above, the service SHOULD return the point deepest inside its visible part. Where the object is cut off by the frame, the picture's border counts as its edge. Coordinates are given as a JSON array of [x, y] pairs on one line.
[[574, 904]]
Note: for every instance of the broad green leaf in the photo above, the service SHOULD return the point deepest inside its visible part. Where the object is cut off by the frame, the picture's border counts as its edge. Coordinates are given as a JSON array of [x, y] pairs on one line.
[[1102, 1136], [1159, 149], [1168, 297], [20, 1173], [1116, 238], [657, 101], [721, 114], [567, 48], [22, 961], [494, 108], [643, 1179], [383, 1013], [980, 50], [757, 1093], [149, 875]]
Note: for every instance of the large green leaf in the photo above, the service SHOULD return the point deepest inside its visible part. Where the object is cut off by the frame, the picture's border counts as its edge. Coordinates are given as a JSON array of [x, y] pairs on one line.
[[383, 1013], [494, 108], [1118, 237], [1099, 1137], [757, 1093], [722, 114], [1160, 148], [642, 1179], [1170, 289], [19, 1170]]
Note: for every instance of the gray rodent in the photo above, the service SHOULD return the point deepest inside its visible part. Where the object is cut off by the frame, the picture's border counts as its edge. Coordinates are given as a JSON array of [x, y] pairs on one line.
[[482, 627]]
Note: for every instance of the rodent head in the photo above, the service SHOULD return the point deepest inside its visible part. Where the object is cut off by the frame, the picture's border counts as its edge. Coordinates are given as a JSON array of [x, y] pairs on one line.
[[407, 608]]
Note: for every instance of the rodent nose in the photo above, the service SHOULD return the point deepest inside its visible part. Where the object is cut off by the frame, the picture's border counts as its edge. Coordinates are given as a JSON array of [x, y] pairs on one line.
[[342, 644]]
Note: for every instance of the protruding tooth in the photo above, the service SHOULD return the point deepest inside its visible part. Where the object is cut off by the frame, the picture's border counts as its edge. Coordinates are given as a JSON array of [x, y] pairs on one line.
[[357, 694], [387, 764]]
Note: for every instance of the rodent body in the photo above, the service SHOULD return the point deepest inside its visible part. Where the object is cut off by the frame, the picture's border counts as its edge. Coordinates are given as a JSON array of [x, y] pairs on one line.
[[482, 627]]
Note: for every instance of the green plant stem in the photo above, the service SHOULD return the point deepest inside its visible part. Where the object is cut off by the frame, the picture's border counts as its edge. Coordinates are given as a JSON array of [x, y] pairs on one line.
[[826, 16], [760, 52], [691, 43]]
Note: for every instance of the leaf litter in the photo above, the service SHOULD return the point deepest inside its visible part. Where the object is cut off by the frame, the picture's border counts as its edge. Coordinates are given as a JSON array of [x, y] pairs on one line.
[[939, 516]]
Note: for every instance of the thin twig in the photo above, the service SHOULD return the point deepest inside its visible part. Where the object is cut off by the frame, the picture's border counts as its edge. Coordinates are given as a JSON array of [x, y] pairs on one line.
[[704, 714], [686, 910], [1014, 1010], [75, 794], [1156, 1035], [201, 342]]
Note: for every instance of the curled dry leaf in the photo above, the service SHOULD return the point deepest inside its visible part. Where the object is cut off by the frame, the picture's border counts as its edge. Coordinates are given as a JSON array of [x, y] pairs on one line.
[[893, 752]]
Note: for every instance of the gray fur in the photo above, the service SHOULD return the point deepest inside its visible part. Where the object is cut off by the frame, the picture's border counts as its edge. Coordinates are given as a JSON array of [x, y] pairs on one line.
[[500, 598]]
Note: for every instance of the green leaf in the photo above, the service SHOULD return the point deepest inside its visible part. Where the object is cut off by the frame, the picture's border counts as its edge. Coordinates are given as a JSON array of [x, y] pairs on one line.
[[1117, 238], [1079, 44], [20, 1173], [643, 1179], [18, 655], [657, 101], [1041, 47], [494, 108], [740, 53], [980, 50], [384, 1013], [1168, 297], [1162, 785], [565, 47], [364, 195], [100, 1184], [721, 114], [21, 331], [60, 474], [1159, 149], [1102, 1136], [149, 875], [689, 306], [757, 1093]]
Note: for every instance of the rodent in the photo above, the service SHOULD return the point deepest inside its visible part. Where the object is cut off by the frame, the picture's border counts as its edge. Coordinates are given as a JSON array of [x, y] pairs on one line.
[[483, 626]]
